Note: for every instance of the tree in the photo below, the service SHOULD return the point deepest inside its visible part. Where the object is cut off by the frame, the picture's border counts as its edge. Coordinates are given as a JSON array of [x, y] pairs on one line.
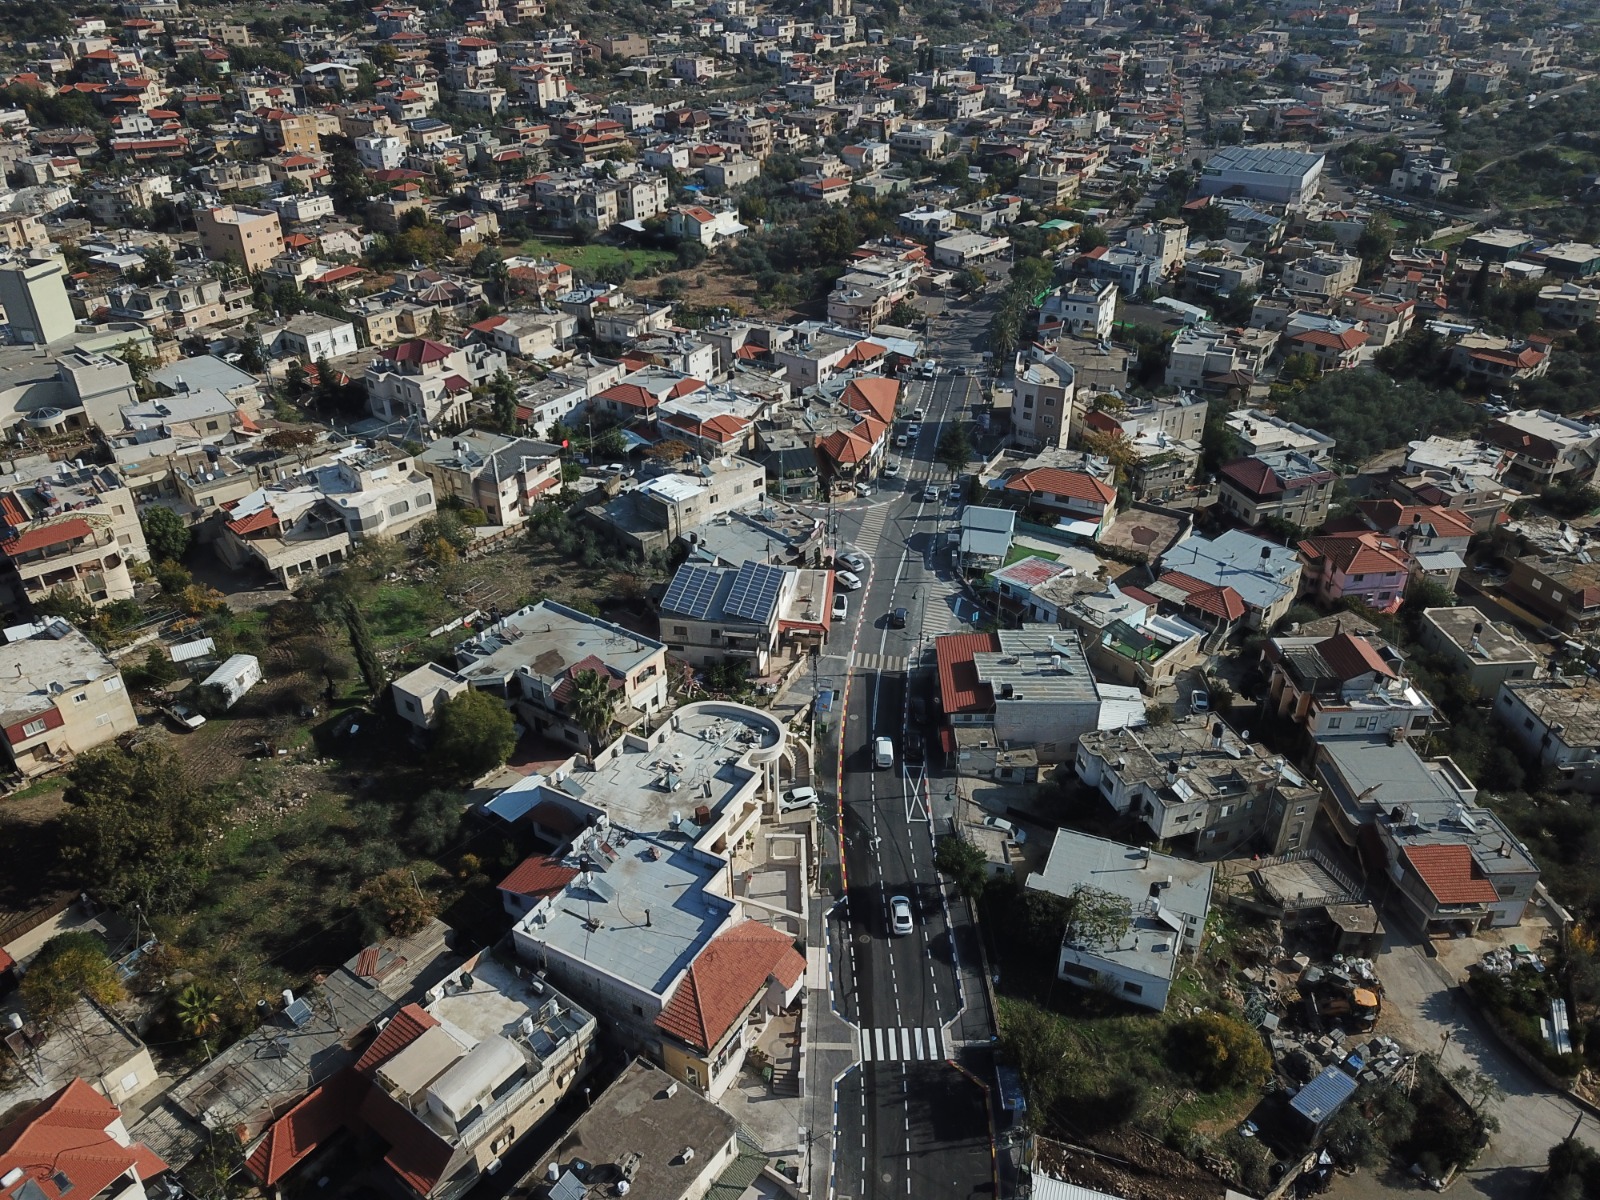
[[1219, 1052], [955, 447], [68, 968], [1115, 447], [964, 863], [433, 819], [503, 394], [1096, 917], [1299, 367], [361, 644], [393, 902], [165, 534], [1478, 290], [1375, 242], [476, 734], [593, 703], [199, 1011], [137, 828]]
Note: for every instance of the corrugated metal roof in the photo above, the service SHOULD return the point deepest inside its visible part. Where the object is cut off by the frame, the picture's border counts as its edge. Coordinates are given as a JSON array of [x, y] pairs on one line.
[[1321, 1098]]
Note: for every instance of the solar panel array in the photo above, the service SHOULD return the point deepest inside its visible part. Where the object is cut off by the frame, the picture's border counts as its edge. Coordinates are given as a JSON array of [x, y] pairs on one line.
[[693, 591], [755, 592]]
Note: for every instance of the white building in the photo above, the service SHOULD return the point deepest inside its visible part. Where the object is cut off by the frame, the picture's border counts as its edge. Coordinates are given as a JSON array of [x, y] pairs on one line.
[[1558, 720], [1289, 177], [1167, 902], [309, 337], [1085, 307]]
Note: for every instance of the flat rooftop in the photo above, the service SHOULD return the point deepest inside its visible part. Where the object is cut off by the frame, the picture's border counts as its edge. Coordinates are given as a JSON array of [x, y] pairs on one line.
[[549, 638], [1474, 634], [1572, 702], [1188, 759], [639, 1127], [57, 655], [1037, 663]]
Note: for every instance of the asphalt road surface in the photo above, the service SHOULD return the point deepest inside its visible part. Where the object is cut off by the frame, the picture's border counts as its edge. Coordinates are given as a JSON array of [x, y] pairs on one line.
[[910, 1122]]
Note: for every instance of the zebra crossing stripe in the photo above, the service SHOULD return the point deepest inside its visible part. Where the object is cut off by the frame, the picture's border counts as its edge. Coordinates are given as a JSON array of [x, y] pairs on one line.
[[901, 1044], [878, 1033]]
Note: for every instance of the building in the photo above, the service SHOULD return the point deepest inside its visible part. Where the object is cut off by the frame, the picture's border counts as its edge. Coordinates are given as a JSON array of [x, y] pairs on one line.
[[764, 615], [60, 695], [1561, 588], [311, 337], [1569, 303], [1557, 721], [1032, 686], [303, 526], [533, 658], [985, 536], [75, 1142], [1194, 782], [1368, 566], [1323, 275], [1278, 176], [1346, 685], [1077, 503], [1488, 359], [501, 475], [420, 695], [1163, 240], [1283, 485], [1263, 576], [1542, 448], [665, 1142], [1167, 902], [665, 507], [34, 297], [426, 384], [1455, 867], [73, 532], [1043, 405], [1256, 433], [1485, 653], [252, 237], [1083, 309]]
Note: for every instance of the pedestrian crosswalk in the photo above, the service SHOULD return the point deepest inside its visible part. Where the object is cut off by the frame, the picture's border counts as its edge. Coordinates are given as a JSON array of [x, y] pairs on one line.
[[871, 533], [900, 1044], [939, 617], [863, 661]]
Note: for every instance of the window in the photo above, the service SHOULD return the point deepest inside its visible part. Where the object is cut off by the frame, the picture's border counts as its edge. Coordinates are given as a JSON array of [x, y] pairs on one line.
[[33, 728], [1360, 578], [1505, 698], [1133, 989], [1335, 722], [1299, 810], [1363, 722], [103, 719], [1556, 596], [114, 684], [81, 698], [1536, 584], [1074, 970]]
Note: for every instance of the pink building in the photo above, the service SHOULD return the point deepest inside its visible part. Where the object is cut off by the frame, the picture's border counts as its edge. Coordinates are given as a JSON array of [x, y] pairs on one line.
[[1369, 566]]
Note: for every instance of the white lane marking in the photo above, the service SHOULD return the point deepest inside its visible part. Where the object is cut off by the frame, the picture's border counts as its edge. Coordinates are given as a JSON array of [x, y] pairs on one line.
[[919, 1043], [878, 1033]]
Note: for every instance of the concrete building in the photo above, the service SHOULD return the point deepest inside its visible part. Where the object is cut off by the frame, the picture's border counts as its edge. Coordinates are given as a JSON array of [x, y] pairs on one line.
[[1324, 275], [1256, 433], [72, 530], [1264, 575], [765, 615], [33, 294], [1542, 448], [420, 695], [1287, 177], [1558, 587], [60, 695], [251, 236], [1282, 484], [426, 384], [1193, 782], [1557, 721], [1167, 901], [310, 337], [502, 475], [1485, 653], [1162, 240], [1044, 399], [1084, 309], [1347, 685], [1455, 866]]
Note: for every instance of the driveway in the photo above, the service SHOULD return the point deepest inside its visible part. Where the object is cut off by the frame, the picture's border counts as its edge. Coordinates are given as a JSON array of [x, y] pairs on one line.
[[1419, 1009]]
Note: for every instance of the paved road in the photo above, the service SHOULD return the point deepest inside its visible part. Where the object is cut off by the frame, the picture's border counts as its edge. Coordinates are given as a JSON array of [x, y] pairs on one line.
[[910, 1123]]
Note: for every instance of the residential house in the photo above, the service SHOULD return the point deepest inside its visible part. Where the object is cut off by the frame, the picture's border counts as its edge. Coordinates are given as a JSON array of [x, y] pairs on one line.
[[1075, 502], [1557, 721], [252, 237], [311, 337], [765, 615], [1044, 398], [1484, 652], [1455, 866], [1163, 240], [1167, 901], [985, 537], [1283, 485], [426, 384], [1334, 343], [1543, 448], [1569, 303], [1083, 309], [1560, 587], [75, 1141], [1262, 576], [60, 696], [816, 357], [1435, 537], [1322, 275], [1255, 433], [1490, 360], [1346, 685], [1194, 782], [67, 531], [1368, 566], [500, 475], [421, 694], [526, 334]]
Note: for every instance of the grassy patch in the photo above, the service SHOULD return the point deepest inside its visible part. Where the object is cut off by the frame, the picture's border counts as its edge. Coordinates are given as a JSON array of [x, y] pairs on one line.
[[1018, 553], [595, 256]]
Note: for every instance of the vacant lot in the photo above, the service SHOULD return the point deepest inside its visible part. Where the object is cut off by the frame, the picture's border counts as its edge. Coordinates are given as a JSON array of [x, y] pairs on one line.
[[588, 260]]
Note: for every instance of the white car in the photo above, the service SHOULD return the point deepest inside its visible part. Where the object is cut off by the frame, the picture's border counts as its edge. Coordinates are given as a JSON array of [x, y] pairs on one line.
[[854, 559], [899, 915], [883, 752], [892, 467], [797, 798], [1200, 701], [918, 414], [914, 429], [1018, 836], [184, 717], [841, 606], [930, 493], [901, 442], [848, 580]]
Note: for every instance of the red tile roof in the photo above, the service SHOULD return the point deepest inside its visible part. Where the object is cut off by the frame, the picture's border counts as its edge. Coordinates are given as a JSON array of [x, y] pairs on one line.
[[725, 979], [1450, 874], [538, 876], [292, 1137], [68, 1134], [416, 1154], [262, 518], [1395, 518], [1215, 601], [1259, 479], [1357, 554], [48, 535], [874, 394], [1350, 339], [420, 351], [1353, 656], [1056, 482], [405, 1027], [960, 689]]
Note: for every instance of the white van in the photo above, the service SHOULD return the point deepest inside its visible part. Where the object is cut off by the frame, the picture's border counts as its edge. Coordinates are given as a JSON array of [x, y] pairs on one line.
[[883, 752]]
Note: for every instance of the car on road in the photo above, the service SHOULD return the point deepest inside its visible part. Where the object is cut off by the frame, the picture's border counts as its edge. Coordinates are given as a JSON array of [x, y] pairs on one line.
[[919, 414], [897, 619], [883, 752], [914, 429], [930, 493], [899, 915], [892, 467], [848, 580], [854, 560], [913, 749], [901, 442], [184, 717], [841, 606], [797, 798], [929, 369], [918, 711], [1200, 701]]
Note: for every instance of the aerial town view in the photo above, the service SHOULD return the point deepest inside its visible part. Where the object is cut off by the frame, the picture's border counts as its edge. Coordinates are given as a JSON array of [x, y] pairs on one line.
[[799, 599]]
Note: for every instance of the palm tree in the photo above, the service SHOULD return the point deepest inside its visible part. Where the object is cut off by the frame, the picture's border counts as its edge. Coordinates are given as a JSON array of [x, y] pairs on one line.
[[199, 1011], [593, 705]]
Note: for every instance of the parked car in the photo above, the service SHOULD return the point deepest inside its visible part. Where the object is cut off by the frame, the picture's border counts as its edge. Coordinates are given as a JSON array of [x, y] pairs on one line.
[[897, 619], [854, 560], [899, 915], [913, 749], [901, 442], [919, 414], [797, 798], [914, 429], [892, 467], [841, 606], [918, 710], [184, 717], [1018, 836], [930, 494], [1200, 701], [848, 580], [883, 752]]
